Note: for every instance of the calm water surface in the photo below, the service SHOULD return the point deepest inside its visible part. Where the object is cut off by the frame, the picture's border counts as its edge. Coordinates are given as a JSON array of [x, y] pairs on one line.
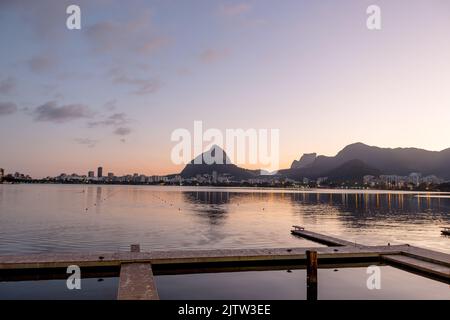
[[333, 284], [68, 218], [65, 218]]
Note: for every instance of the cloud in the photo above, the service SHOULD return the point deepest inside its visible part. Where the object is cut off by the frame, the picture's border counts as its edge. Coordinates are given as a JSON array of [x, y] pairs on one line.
[[47, 18], [110, 105], [102, 35], [44, 18], [7, 108], [141, 86], [134, 35], [51, 112], [116, 119], [90, 143], [122, 131], [235, 9], [153, 44], [42, 63], [213, 55], [7, 85]]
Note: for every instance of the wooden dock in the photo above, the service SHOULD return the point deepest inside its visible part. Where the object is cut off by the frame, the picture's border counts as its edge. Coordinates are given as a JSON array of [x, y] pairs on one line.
[[321, 238], [136, 268]]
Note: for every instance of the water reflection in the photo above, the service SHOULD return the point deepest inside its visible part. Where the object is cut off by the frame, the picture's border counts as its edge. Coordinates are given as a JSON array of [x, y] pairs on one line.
[[369, 203], [372, 210], [48, 218], [213, 205], [348, 283]]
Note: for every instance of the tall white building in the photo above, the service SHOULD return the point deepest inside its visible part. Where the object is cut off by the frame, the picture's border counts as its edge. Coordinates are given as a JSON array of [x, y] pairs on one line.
[[415, 177]]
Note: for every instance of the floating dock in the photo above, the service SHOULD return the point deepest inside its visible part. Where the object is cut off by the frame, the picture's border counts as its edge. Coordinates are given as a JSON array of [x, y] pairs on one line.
[[423, 261], [136, 268]]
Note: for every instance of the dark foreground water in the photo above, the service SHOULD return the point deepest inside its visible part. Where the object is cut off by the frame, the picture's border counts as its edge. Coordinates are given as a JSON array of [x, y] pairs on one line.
[[334, 284], [74, 218]]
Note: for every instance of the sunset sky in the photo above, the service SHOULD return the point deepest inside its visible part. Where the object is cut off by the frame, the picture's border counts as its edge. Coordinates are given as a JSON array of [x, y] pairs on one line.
[[111, 93]]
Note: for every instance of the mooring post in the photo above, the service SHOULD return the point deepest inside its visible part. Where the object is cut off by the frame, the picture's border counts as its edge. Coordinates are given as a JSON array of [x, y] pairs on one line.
[[135, 248], [311, 275]]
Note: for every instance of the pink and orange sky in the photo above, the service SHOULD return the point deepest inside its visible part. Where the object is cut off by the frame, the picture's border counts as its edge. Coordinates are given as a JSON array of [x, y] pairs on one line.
[[111, 93]]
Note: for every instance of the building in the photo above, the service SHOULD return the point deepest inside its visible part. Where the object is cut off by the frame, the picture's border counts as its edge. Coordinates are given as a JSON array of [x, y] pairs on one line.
[[91, 174], [368, 179], [432, 179], [2, 174], [110, 175], [390, 180], [99, 172], [415, 178]]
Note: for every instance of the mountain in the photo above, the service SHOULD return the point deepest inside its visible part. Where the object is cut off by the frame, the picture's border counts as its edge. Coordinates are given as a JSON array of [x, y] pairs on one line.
[[399, 161], [217, 160], [306, 160], [352, 163], [351, 171]]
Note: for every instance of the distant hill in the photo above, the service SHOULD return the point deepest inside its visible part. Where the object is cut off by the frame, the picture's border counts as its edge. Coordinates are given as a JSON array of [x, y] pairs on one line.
[[306, 160], [202, 165], [352, 171], [399, 161], [352, 163]]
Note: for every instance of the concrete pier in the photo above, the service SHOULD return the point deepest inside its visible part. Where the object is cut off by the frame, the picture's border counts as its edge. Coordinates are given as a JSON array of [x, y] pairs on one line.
[[136, 282], [137, 268]]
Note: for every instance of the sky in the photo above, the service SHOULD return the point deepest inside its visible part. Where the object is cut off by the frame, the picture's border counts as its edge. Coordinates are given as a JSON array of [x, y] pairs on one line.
[[112, 93]]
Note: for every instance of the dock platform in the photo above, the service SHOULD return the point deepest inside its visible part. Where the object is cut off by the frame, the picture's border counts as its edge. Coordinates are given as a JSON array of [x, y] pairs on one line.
[[136, 268]]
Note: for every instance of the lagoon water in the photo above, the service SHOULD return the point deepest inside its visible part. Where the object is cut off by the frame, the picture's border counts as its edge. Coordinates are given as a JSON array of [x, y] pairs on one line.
[[82, 218], [74, 218]]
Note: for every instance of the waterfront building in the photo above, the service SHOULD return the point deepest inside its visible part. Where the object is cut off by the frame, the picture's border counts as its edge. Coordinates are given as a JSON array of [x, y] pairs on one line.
[[415, 178]]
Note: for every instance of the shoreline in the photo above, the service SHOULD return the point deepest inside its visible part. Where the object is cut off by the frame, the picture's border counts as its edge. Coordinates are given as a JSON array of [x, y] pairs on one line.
[[268, 189]]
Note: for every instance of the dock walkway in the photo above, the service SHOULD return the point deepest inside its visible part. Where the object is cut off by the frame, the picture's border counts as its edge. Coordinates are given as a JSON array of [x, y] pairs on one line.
[[136, 268]]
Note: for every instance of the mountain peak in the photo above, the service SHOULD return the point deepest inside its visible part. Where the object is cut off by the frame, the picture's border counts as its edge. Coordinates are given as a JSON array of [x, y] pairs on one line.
[[306, 160], [356, 145], [215, 159], [215, 155]]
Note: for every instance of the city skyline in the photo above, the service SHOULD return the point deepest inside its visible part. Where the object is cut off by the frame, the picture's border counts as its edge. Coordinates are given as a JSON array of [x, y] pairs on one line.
[[113, 92], [303, 161]]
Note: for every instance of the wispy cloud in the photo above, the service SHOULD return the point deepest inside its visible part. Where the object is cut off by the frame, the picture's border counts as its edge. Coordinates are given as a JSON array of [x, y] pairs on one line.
[[153, 44], [142, 86], [41, 63], [235, 9], [43, 17], [119, 121], [7, 85], [136, 35], [51, 112], [116, 119], [213, 55], [122, 131], [7, 108], [90, 143], [110, 105]]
